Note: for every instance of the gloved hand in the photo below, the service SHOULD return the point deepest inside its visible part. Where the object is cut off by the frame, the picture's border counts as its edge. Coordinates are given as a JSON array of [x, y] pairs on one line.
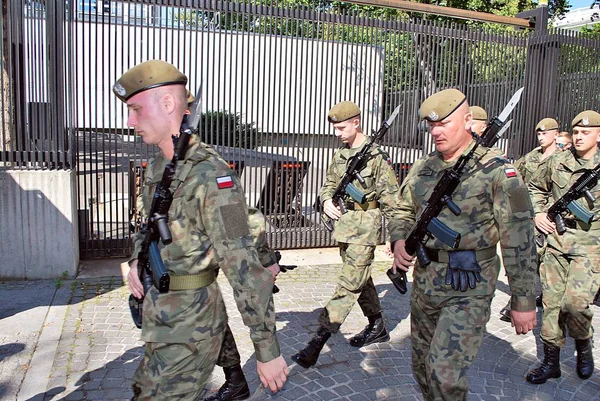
[[463, 270]]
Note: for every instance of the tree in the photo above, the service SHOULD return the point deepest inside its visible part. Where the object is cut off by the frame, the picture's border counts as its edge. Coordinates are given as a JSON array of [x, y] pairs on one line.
[[227, 129]]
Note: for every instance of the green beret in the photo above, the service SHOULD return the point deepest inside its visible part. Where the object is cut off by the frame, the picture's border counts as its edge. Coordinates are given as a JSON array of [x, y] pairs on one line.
[[478, 113], [441, 104], [546, 124], [588, 118], [147, 75], [342, 111]]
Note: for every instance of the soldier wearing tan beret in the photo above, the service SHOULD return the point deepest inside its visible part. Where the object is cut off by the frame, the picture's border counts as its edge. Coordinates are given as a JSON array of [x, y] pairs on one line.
[[183, 329], [448, 320], [480, 119], [357, 232], [570, 269]]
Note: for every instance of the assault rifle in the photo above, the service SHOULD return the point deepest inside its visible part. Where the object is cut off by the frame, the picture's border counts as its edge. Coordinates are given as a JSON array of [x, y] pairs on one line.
[[356, 164], [427, 223], [151, 268], [568, 202]]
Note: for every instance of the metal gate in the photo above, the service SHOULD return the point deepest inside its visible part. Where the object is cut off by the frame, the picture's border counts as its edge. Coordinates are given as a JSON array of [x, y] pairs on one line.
[[269, 76]]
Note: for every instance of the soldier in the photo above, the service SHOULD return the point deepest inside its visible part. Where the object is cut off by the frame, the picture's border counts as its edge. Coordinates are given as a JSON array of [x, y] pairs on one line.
[[563, 141], [547, 131], [570, 271], [447, 324], [480, 119], [184, 328], [357, 232]]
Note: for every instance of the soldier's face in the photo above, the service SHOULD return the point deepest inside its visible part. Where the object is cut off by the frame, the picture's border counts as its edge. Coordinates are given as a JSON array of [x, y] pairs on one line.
[[545, 138], [452, 134], [478, 126], [585, 138], [146, 115], [347, 130], [562, 143]]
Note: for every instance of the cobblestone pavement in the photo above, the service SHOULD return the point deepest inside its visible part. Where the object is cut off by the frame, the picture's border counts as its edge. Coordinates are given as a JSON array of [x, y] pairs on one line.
[[99, 348]]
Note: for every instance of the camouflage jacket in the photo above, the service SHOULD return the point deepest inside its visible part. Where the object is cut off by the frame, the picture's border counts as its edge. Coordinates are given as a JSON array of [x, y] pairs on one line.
[[551, 182], [530, 163], [209, 225], [495, 209], [357, 226]]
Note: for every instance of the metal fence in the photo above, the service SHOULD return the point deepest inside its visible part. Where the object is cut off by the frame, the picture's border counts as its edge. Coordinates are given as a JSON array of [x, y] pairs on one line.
[[269, 76]]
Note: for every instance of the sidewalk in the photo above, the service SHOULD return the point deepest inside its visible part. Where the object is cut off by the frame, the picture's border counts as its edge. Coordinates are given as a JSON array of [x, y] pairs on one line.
[[77, 342]]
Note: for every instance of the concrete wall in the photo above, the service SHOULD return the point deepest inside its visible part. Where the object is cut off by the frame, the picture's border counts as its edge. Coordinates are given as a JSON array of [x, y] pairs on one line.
[[38, 231]]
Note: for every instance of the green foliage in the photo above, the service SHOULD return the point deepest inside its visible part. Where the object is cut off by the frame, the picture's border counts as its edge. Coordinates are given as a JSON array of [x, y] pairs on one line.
[[591, 31], [227, 129]]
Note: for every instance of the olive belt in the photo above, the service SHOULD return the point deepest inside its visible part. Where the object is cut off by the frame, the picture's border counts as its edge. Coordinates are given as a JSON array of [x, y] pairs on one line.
[[192, 281], [362, 206], [580, 225], [440, 256]]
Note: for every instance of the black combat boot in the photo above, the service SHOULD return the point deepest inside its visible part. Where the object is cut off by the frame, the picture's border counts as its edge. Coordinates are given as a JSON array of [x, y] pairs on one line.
[[550, 367], [234, 388], [309, 355], [505, 313], [374, 332], [585, 359]]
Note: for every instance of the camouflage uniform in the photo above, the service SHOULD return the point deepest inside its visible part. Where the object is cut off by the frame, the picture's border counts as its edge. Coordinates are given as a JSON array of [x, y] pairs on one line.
[[570, 271], [229, 355], [447, 326], [184, 329], [358, 232]]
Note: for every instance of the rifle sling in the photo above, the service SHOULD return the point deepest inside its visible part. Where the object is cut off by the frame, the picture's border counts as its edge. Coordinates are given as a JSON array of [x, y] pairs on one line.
[[192, 281], [439, 256]]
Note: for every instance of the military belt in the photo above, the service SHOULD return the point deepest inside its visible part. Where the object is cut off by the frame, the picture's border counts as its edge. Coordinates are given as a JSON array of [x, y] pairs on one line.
[[440, 256], [362, 206], [580, 225], [192, 281]]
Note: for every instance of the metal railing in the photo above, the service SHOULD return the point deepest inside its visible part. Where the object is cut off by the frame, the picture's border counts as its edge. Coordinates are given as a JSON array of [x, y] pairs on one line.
[[269, 76]]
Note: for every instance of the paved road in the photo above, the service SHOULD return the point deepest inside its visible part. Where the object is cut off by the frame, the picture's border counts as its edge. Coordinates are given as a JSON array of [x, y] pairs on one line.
[[77, 342]]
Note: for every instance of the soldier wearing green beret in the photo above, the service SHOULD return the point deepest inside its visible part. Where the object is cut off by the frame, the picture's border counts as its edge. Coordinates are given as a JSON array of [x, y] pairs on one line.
[[447, 325], [184, 328], [480, 119], [570, 270], [547, 132], [357, 232]]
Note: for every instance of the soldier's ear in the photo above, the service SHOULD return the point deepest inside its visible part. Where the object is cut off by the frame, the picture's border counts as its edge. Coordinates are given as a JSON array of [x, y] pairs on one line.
[[468, 121]]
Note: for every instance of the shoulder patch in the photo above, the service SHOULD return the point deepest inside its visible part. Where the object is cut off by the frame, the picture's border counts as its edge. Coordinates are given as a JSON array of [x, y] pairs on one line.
[[225, 181], [510, 172]]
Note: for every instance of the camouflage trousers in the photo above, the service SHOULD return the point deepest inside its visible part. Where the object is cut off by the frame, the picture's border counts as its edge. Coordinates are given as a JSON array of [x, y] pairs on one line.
[[354, 284], [229, 355], [446, 333], [175, 371], [569, 284]]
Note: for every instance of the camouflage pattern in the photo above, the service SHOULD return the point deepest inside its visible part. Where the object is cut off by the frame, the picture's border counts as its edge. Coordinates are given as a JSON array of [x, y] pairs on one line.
[[358, 233], [447, 357], [528, 164], [228, 355], [362, 227], [571, 266], [495, 209], [354, 284], [210, 231], [173, 371]]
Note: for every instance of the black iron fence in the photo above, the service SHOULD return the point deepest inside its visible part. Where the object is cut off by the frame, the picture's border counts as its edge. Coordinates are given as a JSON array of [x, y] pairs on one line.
[[269, 76]]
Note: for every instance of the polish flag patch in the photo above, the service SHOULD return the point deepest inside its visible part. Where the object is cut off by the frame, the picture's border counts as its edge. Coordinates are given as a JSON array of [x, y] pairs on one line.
[[510, 172], [225, 182]]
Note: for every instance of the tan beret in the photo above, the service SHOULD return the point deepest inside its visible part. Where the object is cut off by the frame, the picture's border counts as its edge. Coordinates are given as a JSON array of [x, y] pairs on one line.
[[546, 124], [342, 111], [441, 104], [147, 75], [478, 113], [190, 97], [588, 118]]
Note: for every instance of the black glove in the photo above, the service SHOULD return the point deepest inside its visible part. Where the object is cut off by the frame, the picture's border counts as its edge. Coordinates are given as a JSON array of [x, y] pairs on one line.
[[463, 270]]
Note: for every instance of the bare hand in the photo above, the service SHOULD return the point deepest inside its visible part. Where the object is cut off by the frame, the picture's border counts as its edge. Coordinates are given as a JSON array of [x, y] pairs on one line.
[[543, 224], [133, 281], [523, 322], [402, 260], [332, 210], [274, 269], [273, 374]]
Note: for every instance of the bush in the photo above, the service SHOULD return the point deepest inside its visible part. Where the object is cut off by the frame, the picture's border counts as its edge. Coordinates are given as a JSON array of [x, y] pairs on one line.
[[227, 129]]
